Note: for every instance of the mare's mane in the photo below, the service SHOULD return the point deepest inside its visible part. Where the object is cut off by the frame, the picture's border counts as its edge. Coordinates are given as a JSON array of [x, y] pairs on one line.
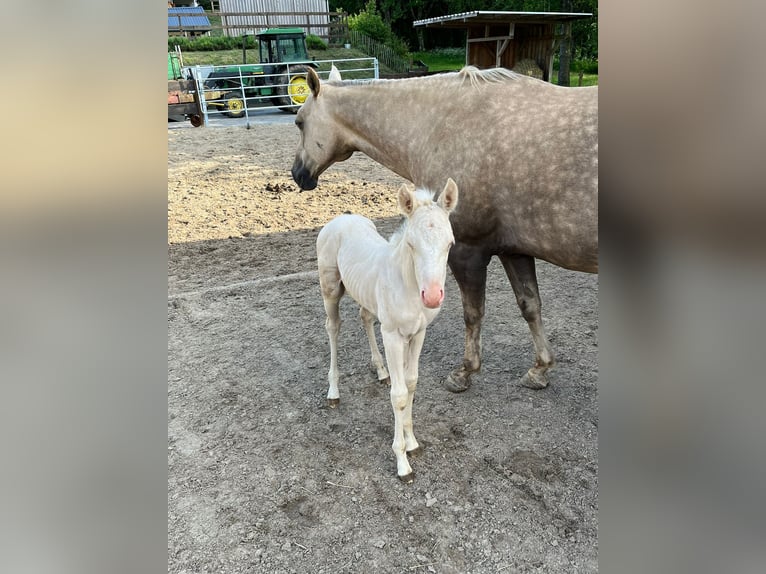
[[469, 74]]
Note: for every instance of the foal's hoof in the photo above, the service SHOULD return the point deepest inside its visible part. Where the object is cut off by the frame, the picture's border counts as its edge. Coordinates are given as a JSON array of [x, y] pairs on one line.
[[415, 451], [458, 381], [386, 381], [332, 403], [408, 478], [534, 380]]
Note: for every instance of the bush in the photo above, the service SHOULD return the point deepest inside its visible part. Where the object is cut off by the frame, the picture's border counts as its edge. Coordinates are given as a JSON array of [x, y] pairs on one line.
[[585, 66], [315, 43], [208, 43], [369, 22]]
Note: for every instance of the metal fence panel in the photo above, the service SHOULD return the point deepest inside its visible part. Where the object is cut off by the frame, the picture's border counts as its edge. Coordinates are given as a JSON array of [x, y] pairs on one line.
[[217, 100]]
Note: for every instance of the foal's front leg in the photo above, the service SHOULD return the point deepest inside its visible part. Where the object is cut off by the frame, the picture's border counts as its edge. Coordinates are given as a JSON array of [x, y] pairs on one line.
[[412, 360], [394, 345], [368, 320]]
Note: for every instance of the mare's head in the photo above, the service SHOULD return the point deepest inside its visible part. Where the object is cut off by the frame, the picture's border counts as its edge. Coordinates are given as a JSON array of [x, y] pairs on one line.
[[322, 139], [427, 236]]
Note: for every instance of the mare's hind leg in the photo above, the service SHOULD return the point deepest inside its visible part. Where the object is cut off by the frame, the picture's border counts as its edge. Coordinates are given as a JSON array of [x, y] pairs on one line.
[[469, 266], [368, 320], [521, 271], [332, 291]]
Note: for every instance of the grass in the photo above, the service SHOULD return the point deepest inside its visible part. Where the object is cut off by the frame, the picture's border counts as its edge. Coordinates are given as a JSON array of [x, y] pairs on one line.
[[587, 79], [442, 59]]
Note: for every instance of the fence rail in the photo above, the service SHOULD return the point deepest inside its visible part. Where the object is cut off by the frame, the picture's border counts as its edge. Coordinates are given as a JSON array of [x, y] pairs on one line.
[[214, 99], [387, 56]]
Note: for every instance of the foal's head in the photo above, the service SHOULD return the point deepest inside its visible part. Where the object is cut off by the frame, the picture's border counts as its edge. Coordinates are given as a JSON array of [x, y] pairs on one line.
[[428, 238]]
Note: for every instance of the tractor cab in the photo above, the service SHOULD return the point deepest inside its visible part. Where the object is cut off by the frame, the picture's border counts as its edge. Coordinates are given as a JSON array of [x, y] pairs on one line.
[[283, 45]]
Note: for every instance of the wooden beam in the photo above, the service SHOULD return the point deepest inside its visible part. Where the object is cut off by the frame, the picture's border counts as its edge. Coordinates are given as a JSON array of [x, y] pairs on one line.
[[490, 39]]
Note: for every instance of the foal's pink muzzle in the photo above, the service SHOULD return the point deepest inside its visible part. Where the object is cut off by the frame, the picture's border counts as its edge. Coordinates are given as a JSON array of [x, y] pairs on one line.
[[432, 296]]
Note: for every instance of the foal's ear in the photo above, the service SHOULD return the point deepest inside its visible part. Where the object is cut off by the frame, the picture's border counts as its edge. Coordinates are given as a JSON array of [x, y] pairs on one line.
[[448, 198], [406, 201], [313, 81]]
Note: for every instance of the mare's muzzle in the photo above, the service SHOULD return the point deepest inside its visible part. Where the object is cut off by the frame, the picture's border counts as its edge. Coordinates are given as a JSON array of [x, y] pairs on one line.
[[302, 176]]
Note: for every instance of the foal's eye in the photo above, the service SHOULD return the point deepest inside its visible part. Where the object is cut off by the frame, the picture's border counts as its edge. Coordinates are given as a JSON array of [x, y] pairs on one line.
[[299, 123]]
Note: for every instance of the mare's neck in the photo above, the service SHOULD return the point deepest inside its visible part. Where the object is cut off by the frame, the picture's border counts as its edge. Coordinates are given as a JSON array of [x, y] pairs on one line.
[[384, 124]]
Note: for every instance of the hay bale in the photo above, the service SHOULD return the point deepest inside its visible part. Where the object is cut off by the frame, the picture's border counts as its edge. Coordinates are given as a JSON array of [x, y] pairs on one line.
[[529, 67]]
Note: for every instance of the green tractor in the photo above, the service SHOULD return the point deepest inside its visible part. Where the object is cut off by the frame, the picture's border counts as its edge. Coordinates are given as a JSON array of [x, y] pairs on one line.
[[279, 79]]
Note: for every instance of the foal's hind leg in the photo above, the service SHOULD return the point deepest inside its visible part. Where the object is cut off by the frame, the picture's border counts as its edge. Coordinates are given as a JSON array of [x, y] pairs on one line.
[[469, 266], [368, 320], [332, 291], [521, 271]]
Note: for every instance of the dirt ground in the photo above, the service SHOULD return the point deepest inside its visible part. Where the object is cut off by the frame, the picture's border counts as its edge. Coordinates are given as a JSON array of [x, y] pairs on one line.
[[264, 477]]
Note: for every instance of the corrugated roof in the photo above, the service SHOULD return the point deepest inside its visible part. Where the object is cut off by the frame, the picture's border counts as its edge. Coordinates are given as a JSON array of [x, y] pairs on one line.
[[192, 18], [492, 17]]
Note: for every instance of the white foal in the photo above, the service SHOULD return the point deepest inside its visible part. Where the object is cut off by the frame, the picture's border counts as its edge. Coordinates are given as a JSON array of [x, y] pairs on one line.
[[401, 283]]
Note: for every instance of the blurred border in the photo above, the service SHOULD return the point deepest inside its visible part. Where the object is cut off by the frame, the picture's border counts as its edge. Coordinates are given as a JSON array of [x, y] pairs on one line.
[[83, 287], [83, 224], [683, 134]]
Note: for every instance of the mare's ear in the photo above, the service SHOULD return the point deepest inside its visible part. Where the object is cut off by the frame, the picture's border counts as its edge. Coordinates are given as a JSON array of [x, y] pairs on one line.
[[448, 198], [406, 201], [313, 81], [334, 75]]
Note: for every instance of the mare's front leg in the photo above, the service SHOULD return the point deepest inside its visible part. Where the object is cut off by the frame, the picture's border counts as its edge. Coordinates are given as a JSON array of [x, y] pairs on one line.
[[368, 320], [332, 291], [521, 271], [394, 345], [411, 362], [469, 267]]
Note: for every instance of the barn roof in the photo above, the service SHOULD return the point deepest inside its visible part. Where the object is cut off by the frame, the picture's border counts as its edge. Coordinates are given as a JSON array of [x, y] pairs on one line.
[[494, 17], [191, 18]]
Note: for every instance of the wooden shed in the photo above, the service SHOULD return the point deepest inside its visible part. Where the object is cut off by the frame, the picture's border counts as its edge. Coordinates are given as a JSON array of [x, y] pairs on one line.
[[503, 39]]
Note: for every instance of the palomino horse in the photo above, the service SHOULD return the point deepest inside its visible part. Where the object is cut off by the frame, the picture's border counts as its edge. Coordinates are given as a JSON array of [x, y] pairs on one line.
[[401, 283], [523, 152]]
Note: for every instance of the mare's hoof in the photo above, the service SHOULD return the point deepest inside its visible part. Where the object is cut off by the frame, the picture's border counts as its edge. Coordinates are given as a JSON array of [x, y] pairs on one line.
[[415, 451], [458, 381], [534, 380], [332, 403], [408, 478], [386, 381]]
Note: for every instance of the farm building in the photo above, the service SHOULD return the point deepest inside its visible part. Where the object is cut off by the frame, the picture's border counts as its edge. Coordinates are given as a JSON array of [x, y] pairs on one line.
[[510, 39], [250, 16]]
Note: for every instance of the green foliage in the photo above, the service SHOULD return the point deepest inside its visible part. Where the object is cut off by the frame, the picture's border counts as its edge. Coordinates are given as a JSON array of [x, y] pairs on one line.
[[370, 23], [209, 43], [315, 43], [586, 66]]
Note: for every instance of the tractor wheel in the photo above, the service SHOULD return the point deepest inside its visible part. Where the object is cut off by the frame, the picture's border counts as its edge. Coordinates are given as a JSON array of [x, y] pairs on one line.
[[294, 91], [234, 107]]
